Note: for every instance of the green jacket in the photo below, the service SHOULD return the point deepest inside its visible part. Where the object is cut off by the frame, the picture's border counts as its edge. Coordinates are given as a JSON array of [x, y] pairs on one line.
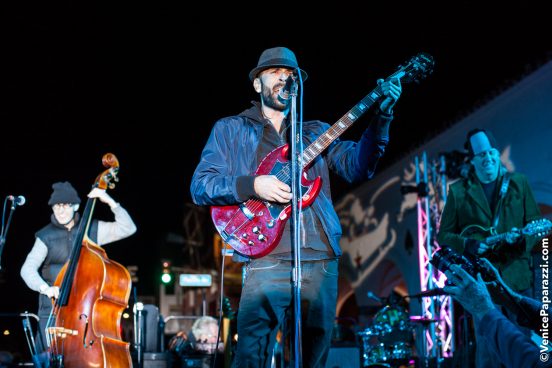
[[467, 205]]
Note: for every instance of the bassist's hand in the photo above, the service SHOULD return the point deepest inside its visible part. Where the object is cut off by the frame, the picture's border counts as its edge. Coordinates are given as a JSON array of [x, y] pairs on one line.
[[269, 188], [51, 292]]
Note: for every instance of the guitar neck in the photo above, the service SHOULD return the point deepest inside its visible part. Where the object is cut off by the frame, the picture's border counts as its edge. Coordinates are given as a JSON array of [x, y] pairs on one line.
[[418, 67], [322, 142]]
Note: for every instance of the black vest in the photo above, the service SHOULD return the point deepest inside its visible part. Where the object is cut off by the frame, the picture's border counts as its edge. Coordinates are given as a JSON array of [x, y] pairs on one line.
[[59, 241]]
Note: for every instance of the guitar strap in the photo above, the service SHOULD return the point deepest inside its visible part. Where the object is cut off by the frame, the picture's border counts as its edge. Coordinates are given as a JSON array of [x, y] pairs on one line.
[[502, 194]]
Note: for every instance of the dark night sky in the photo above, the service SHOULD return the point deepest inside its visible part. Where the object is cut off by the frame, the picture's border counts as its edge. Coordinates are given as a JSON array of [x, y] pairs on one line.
[[147, 82]]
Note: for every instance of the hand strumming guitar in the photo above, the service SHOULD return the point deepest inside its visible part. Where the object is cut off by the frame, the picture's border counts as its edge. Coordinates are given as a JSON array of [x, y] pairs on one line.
[[479, 249], [269, 188]]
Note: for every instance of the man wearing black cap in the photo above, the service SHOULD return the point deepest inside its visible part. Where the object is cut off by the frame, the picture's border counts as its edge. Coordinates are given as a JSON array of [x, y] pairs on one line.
[[225, 176], [53, 243], [497, 201]]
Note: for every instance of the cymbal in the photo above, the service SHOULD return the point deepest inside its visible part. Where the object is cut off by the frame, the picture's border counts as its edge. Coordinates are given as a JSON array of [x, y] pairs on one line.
[[430, 292], [422, 319]]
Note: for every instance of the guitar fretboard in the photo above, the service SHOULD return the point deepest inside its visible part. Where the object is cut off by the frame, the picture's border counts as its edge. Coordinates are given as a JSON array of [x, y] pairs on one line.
[[418, 67], [322, 142]]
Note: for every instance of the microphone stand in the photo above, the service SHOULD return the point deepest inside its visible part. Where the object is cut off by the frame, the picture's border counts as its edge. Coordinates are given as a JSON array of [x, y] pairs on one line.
[[296, 173], [5, 229]]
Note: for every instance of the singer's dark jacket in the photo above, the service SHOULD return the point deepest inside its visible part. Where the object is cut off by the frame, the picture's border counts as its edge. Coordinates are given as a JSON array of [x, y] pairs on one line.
[[224, 173]]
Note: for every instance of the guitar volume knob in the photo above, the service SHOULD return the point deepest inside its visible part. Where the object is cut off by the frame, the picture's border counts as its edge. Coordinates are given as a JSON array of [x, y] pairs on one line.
[[262, 237], [255, 229]]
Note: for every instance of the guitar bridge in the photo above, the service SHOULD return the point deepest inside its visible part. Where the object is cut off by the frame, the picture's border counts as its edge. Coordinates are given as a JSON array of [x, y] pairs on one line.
[[225, 236]]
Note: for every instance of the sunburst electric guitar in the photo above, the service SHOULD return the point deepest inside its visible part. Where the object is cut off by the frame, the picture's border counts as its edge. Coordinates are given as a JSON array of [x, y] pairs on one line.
[[254, 227]]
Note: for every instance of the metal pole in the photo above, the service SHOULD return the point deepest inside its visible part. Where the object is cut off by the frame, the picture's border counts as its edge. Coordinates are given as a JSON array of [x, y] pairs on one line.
[[139, 333], [296, 170], [429, 247]]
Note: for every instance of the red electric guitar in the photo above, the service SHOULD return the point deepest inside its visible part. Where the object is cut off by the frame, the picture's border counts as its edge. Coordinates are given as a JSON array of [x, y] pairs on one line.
[[254, 227]]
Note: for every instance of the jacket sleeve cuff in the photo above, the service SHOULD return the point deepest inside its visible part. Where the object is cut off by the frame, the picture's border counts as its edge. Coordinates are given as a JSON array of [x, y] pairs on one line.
[[244, 187], [381, 124]]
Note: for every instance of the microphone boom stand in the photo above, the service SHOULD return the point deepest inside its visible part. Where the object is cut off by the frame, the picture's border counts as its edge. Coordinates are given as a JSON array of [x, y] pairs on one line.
[[5, 229], [296, 172]]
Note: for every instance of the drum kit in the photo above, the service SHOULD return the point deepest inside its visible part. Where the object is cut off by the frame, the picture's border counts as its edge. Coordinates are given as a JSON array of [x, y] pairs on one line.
[[388, 341]]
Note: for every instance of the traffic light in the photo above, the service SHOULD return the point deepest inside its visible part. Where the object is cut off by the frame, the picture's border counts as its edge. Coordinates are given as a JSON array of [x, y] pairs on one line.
[[166, 276]]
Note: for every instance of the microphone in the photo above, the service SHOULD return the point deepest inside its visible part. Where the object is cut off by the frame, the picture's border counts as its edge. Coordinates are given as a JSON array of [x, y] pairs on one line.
[[285, 91], [17, 200]]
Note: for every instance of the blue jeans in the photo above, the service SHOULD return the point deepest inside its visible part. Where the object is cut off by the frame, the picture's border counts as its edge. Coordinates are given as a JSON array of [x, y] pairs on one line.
[[267, 295]]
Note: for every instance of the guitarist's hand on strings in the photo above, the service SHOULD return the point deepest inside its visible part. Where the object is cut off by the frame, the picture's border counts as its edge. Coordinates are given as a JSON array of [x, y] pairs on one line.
[[482, 248], [392, 91], [269, 188]]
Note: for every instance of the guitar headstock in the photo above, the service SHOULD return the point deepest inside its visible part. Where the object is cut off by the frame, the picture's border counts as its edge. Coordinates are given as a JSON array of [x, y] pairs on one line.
[[541, 227], [416, 69]]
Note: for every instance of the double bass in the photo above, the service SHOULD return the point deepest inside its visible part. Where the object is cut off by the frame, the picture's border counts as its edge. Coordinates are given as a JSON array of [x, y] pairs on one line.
[[84, 327]]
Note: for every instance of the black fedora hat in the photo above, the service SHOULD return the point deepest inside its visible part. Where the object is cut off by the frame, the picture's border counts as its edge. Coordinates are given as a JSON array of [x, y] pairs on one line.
[[276, 57]]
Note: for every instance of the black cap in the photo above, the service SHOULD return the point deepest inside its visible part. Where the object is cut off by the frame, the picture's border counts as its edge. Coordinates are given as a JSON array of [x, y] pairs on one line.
[[478, 140], [63, 193], [276, 57]]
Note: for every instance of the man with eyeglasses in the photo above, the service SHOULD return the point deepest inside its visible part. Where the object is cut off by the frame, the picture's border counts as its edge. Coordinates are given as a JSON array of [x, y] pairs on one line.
[[53, 244], [497, 202]]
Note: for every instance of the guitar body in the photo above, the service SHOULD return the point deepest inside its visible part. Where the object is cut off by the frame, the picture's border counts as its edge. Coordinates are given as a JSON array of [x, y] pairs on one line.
[[254, 228], [478, 232]]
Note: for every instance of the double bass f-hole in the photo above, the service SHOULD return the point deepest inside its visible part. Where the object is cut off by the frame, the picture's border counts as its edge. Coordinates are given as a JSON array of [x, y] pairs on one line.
[[89, 345]]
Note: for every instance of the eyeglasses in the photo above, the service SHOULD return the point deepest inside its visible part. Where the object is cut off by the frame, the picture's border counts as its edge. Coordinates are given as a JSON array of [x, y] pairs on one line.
[[60, 206], [491, 152]]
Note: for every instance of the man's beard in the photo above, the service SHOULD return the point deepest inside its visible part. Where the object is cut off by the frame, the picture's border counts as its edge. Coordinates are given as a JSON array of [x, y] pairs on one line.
[[272, 101]]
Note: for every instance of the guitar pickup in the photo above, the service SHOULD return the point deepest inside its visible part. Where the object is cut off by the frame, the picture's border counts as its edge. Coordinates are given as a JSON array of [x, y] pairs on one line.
[[247, 212]]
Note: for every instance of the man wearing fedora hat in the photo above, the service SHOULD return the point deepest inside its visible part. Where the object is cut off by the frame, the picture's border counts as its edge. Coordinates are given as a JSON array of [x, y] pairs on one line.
[[499, 201], [224, 176], [53, 244]]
